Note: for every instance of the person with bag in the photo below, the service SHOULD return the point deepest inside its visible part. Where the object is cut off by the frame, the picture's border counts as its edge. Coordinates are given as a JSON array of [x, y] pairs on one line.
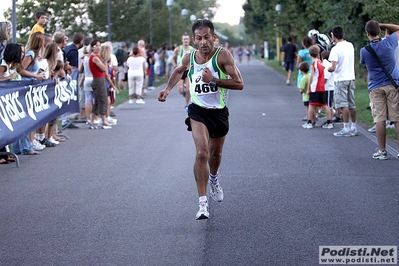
[[383, 74]]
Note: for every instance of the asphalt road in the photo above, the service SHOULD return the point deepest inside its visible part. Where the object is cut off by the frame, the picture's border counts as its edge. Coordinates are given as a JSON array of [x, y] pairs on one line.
[[127, 196]]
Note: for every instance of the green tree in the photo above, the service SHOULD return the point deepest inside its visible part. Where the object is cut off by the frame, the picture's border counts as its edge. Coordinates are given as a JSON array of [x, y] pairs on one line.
[[130, 19], [68, 15]]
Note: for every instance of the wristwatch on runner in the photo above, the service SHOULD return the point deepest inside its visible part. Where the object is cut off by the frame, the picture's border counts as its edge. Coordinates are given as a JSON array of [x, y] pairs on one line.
[[212, 84]]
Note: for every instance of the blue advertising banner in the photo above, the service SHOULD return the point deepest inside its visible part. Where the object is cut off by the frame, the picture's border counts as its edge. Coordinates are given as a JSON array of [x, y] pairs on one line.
[[27, 105]]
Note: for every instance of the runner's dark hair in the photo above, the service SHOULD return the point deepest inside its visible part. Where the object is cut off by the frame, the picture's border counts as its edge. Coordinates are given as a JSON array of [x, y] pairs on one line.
[[201, 23]]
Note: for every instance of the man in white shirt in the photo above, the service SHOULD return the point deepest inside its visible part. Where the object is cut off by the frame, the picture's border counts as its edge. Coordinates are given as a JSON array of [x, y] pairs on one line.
[[342, 58]]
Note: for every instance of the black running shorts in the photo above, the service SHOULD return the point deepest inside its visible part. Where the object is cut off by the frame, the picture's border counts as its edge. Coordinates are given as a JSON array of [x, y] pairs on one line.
[[215, 120], [184, 76]]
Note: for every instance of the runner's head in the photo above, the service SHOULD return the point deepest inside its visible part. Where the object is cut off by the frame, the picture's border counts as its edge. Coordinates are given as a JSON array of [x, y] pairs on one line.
[[185, 39], [204, 36], [201, 23]]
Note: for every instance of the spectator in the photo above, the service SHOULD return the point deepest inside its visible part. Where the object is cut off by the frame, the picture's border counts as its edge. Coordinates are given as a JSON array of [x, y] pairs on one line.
[[12, 56], [86, 80], [106, 58], [303, 56], [317, 92], [289, 52], [72, 56], [122, 55], [47, 64], [150, 74], [342, 58], [41, 19], [136, 68], [169, 64], [329, 85], [384, 96], [5, 33], [99, 71], [304, 85]]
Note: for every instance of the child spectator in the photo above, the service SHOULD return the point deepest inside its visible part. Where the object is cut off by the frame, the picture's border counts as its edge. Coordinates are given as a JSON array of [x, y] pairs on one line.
[[317, 92], [12, 57], [303, 56], [329, 87], [304, 85], [41, 19]]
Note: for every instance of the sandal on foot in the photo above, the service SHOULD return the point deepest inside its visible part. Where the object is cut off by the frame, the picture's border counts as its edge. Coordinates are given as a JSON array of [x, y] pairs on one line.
[[11, 159], [32, 153], [4, 161]]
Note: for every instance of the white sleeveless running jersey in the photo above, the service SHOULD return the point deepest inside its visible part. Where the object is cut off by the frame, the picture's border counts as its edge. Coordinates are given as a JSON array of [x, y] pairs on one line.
[[201, 93], [183, 52]]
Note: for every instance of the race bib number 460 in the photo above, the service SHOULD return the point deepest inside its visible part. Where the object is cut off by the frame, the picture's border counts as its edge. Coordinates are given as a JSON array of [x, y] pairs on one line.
[[204, 88]]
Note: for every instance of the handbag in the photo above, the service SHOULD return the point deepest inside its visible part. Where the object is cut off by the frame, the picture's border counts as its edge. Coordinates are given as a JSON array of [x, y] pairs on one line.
[[371, 51]]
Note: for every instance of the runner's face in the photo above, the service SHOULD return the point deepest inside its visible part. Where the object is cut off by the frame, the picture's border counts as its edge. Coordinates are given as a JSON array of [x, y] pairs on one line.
[[204, 40], [185, 40]]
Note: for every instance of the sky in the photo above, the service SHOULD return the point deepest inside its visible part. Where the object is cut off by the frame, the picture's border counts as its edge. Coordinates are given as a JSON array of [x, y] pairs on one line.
[[229, 11], [4, 5]]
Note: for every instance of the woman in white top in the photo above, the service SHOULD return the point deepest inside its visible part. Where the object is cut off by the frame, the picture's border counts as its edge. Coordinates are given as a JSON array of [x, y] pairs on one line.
[[47, 65], [86, 80], [136, 71]]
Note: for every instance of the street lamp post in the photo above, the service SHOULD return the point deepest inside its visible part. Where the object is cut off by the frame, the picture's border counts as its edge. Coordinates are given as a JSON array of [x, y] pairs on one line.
[[109, 19], [193, 18], [184, 13], [151, 21], [14, 22], [278, 42], [169, 4]]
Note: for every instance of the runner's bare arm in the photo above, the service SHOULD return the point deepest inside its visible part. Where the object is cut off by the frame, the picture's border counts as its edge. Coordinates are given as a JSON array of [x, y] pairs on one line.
[[227, 65], [175, 77], [174, 56]]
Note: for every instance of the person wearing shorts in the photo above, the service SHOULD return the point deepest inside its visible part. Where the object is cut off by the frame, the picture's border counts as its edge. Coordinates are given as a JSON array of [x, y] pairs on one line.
[[384, 97], [317, 92], [212, 73], [289, 53], [177, 56], [342, 58]]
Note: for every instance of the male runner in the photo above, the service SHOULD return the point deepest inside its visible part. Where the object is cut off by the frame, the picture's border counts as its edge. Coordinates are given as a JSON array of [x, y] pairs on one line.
[[212, 72]]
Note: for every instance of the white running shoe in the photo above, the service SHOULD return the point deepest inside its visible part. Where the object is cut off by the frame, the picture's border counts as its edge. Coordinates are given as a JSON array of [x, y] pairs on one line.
[[354, 132], [373, 129], [307, 126], [131, 101], [37, 146], [203, 212], [140, 101], [111, 121], [216, 191], [380, 155], [328, 126], [53, 141]]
